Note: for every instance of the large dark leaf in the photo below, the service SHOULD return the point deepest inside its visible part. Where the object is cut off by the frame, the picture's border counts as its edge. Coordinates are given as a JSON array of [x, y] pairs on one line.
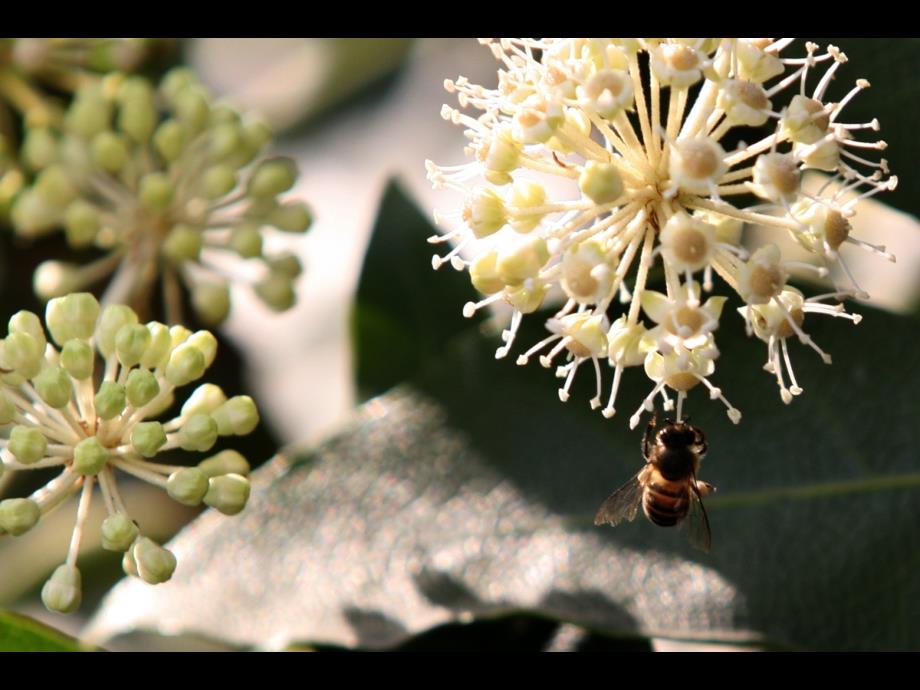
[[472, 492], [404, 312]]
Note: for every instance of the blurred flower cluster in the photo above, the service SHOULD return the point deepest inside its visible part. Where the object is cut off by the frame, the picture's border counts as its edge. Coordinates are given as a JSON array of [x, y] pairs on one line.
[[595, 161], [160, 179]]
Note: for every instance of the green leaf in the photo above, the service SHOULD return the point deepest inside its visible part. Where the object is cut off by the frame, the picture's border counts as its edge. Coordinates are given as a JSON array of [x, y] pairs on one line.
[[471, 493], [404, 312], [23, 634]]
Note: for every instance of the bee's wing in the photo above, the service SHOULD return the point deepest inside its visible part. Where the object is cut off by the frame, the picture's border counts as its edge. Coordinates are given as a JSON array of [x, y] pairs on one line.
[[621, 504], [697, 522]]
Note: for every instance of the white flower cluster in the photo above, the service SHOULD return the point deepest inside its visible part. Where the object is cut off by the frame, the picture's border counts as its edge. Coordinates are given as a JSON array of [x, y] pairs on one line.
[[636, 128]]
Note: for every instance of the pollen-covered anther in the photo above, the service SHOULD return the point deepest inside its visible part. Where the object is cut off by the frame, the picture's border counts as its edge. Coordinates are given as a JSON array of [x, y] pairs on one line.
[[687, 243], [777, 178], [696, 164]]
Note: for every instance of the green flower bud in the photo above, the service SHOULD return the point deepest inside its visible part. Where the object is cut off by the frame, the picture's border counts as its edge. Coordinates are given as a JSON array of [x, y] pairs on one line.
[[226, 140], [7, 413], [227, 493], [73, 316], [147, 438], [169, 140], [141, 387], [192, 108], [156, 191], [55, 279], [260, 209], [114, 316], [39, 149], [218, 180], [138, 118], [256, 134], [246, 240], [54, 186], [118, 533], [175, 80], [154, 563], [187, 486], [238, 416], [19, 515], [78, 359], [291, 217], [62, 592], [81, 222], [131, 342], [287, 265], [276, 291], [54, 386], [90, 456], [182, 244], [24, 321], [186, 363], [89, 113], [225, 462], [23, 353], [110, 400], [272, 177], [206, 343], [33, 215], [28, 444], [211, 302], [198, 433], [601, 182], [204, 400], [484, 273], [109, 151], [160, 345], [178, 334]]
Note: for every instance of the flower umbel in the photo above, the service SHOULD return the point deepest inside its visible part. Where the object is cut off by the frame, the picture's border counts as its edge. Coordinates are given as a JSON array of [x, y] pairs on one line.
[[636, 128], [163, 181], [58, 410]]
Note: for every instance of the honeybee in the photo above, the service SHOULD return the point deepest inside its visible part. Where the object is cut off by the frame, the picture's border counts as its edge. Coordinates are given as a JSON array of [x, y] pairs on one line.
[[667, 485]]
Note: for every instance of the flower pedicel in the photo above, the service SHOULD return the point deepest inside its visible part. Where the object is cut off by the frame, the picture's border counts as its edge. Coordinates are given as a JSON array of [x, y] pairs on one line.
[[55, 415], [636, 128]]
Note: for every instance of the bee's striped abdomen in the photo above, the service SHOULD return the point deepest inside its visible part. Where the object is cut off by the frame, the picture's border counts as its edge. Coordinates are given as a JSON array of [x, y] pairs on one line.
[[666, 503]]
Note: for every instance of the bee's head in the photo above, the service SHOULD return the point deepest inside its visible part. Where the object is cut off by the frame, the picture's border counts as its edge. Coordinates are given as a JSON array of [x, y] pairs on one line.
[[678, 435]]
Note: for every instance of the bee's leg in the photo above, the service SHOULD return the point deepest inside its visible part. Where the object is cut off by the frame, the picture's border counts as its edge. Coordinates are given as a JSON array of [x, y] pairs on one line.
[[648, 438], [705, 488]]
